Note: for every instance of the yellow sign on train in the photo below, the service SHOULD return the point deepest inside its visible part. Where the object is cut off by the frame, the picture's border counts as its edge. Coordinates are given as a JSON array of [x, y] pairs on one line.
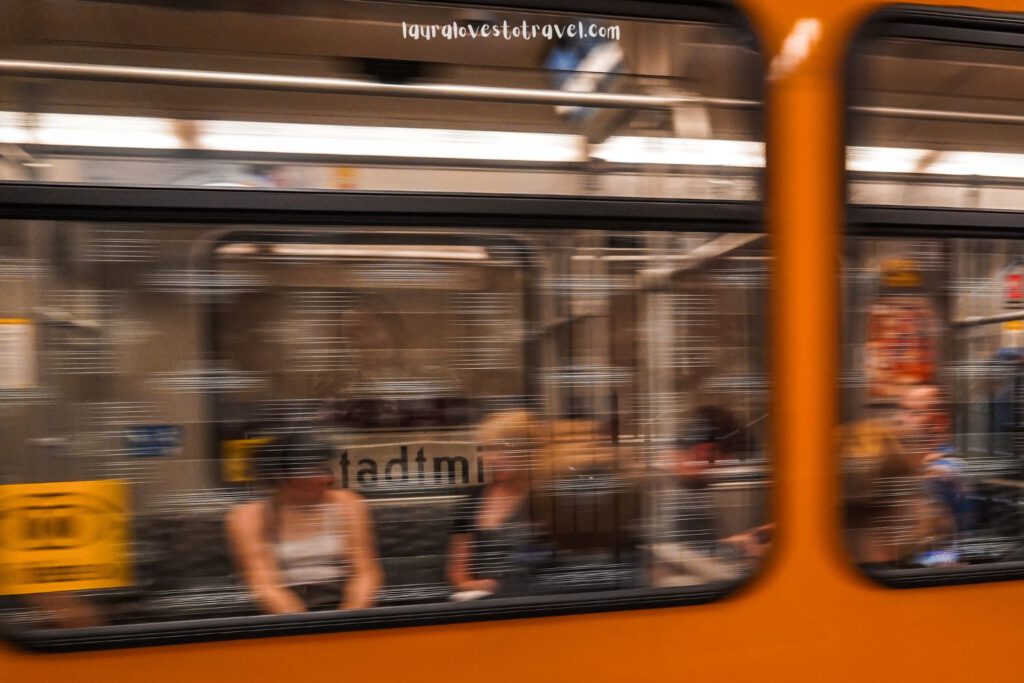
[[236, 458], [64, 536]]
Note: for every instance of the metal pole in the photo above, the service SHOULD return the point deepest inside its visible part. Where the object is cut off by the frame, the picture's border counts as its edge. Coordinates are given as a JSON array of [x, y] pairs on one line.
[[351, 86], [976, 321], [663, 278], [939, 114]]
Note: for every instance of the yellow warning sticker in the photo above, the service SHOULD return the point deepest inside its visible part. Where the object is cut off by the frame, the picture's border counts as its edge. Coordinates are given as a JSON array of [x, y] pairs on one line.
[[236, 458], [64, 536]]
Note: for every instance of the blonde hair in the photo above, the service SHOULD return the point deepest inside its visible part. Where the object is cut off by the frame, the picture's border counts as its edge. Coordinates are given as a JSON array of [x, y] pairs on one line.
[[894, 520], [577, 445], [517, 427], [871, 451], [557, 448], [554, 447]]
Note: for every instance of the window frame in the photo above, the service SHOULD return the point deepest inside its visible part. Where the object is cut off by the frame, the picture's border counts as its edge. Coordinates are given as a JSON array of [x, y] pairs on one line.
[[980, 28], [367, 210], [257, 207]]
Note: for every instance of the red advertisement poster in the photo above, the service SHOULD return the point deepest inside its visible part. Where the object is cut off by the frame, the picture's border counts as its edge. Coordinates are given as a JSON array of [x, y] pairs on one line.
[[901, 349]]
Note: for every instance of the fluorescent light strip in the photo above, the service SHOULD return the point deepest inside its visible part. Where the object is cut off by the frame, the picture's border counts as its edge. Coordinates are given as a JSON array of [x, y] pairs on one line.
[[13, 129], [681, 152], [923, 161], [416, 251], [79, 130], [237, 249], [126, 132], [979, 163], [63, 130], [76, 130], [131, 132], [370, 141], [884, 159], [449, 252]]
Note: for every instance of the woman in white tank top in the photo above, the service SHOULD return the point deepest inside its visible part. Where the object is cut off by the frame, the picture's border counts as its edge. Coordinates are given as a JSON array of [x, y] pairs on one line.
[[307, 546]]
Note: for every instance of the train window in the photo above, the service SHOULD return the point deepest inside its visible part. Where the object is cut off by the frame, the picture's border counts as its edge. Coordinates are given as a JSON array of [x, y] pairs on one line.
[[510, 385], [206, 425], [934, 298], [519, 382], [349, 96]]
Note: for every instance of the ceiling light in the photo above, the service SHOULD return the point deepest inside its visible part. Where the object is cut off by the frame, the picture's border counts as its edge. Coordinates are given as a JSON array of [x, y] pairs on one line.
[[923, 161], [373, 141], [884, 159], [414, 251], [681, 152]]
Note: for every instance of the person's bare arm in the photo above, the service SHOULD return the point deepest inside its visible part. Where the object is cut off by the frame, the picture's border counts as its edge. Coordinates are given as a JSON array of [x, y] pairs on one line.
[[459, 573], [245, 532], [753, 543], [365, 581]]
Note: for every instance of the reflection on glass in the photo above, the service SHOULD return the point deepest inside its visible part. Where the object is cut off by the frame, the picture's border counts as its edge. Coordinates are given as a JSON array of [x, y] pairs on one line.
[[935, 124], [932, 466], [359, 96], [241, 421], [932, 329]]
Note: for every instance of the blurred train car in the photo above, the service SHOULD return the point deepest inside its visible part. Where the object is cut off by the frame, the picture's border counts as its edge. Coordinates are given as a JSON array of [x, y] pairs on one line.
[[382, 228]]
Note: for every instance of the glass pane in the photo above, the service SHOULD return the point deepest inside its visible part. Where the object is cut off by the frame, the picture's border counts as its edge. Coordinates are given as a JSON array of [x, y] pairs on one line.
[[482, 121], [936, 124], [203, 422], [932, 401], [932, 325]]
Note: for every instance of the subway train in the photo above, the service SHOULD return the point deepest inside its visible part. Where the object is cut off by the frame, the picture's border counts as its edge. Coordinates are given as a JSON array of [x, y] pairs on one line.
[[511, 340]]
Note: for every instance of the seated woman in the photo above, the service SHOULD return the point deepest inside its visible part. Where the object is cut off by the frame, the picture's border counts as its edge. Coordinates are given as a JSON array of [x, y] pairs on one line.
[[494, 547], [305, 546]]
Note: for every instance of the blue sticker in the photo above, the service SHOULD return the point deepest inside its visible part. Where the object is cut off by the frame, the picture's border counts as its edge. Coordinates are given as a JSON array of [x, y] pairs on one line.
[[147, 441]]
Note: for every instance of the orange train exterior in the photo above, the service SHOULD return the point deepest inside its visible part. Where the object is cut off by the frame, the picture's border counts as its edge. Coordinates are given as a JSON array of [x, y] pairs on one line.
[[809, 616]]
